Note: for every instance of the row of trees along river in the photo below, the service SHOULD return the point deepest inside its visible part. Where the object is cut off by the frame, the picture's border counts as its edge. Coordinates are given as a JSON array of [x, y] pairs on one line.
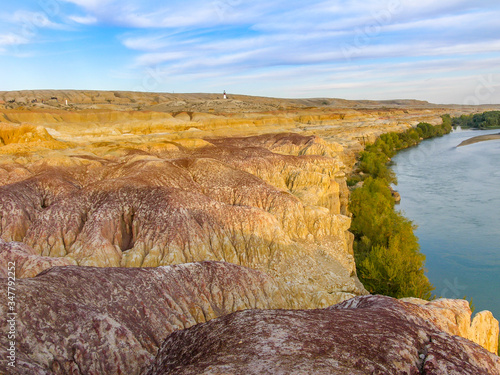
[[387, 253]]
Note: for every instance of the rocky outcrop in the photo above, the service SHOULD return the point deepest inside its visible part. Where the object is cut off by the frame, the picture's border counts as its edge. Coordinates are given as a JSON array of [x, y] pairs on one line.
[[26, 262], [454, 317], [84, 320], [232, 200], [365, 335], [115, 179]]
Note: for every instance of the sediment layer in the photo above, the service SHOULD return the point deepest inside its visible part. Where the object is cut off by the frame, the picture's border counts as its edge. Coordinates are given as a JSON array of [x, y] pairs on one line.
[[88, 320]]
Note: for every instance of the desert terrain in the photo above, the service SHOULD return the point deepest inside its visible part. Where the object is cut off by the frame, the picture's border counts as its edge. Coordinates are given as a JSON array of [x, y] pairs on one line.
[[112, 197]]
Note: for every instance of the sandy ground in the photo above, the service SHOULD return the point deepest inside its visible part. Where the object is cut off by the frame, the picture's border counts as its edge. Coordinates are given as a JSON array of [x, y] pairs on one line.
[[480, 138]]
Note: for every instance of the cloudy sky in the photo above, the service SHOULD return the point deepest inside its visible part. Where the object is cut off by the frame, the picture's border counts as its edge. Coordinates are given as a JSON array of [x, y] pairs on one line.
[[444, 51]]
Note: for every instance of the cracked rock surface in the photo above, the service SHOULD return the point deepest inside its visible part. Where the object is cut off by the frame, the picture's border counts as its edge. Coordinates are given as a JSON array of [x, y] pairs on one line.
[[365, 335], [86, 320]]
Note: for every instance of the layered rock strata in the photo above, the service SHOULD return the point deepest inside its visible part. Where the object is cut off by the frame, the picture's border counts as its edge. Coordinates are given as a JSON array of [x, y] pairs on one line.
[[115, 179], [365, 335], [276, 203], [85, 320]]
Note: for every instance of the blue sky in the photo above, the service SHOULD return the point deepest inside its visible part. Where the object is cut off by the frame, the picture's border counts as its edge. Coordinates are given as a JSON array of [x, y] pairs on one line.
[[444, 51]]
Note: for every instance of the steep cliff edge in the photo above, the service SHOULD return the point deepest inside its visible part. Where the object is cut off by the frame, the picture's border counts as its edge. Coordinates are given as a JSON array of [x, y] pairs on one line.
[[454, 316]]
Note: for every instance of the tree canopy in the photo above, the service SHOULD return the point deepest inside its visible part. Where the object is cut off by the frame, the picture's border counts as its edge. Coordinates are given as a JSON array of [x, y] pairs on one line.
[[486, 120], [387, 253]]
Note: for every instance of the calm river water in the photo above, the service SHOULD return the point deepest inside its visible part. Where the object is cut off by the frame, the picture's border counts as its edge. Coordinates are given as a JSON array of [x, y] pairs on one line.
[[453, 195]]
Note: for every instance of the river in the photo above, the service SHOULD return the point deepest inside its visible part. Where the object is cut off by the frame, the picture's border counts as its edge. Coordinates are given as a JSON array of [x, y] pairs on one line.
[[453, 195]]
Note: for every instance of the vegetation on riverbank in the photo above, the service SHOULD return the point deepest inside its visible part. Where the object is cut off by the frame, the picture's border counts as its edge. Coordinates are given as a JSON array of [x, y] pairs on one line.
[[486, 120], [387, 253]]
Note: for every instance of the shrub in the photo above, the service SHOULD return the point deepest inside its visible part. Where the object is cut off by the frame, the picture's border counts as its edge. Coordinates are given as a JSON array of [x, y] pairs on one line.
[[387, 254]]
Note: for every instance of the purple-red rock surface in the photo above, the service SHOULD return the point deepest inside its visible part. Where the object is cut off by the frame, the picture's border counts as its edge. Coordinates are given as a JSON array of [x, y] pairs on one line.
[[86, 320], [365, 335]]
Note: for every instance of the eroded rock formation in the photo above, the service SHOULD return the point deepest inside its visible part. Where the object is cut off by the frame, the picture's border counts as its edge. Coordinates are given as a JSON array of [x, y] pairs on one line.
[[231, 199], [116, 179], [26, 262], [454, 316], [365, 335], [85, 320]]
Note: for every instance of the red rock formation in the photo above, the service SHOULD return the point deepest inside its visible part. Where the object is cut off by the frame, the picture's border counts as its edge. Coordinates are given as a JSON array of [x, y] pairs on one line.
[[84, 320], [27, 262], [365, 335]]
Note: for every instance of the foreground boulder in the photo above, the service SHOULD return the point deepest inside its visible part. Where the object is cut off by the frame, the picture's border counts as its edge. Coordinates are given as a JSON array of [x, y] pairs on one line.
[[82, 320], [85, 320], [365, 335]]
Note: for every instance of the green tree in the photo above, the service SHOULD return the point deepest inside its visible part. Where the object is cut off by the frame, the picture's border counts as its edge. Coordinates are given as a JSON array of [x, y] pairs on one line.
[[374, 163], [387, 253], [372, 207], [395, 270], [486, 120]]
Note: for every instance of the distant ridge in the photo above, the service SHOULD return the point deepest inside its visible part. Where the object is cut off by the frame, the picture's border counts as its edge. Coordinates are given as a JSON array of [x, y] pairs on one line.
[[89, 97], [200, 102]]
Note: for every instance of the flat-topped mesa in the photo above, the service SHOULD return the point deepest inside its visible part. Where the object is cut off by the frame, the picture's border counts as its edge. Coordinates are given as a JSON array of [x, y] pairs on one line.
[[225, 199], [365, 335], [86, 320], [84, 115]]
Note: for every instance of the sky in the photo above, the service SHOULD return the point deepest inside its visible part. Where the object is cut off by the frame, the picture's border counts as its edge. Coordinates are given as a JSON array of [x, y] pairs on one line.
[[445, 51]]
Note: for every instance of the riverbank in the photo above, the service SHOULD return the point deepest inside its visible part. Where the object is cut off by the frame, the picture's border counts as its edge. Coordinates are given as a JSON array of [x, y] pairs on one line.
[[387, 254], [458, 224], [480, 138]]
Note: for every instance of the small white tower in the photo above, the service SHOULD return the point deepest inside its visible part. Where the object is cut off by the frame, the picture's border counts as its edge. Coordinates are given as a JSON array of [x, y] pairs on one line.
[[225, 96]]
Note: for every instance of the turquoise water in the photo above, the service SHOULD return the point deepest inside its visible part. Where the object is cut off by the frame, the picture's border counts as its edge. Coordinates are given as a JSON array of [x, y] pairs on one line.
[[453, 195]]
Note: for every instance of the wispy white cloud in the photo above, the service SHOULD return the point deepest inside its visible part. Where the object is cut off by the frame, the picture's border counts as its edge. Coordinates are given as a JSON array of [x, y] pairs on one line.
[[172, 14], [151, 59], [84, 20], [34, 20], [24, 28], [12, 40], [90, 4], [10, 44], [289, 46]]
